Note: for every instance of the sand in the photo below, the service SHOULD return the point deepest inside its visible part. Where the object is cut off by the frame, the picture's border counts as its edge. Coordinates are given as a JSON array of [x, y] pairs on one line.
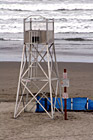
[[38, 126]]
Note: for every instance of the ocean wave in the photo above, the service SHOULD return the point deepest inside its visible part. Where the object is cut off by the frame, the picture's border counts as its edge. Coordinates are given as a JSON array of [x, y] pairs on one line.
[[75, 39], [9, 9], [8, 48], [46, 6], [68, 39], [73, 9], [8, 39], [46, 9]]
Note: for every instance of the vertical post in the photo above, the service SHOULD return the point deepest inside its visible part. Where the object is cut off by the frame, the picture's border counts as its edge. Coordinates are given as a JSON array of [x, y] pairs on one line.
[[53, 30], [29, 61], [57, 73], [24, 29], [50, 86], [46, 31], [19, 82], [65, 100], [65, 105]]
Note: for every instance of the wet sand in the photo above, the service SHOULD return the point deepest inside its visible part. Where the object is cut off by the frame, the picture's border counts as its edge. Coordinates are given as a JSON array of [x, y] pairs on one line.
[[80, 76], [37, 126]]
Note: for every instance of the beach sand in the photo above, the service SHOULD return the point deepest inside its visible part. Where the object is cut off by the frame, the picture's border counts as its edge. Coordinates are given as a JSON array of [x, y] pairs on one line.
[[38, 126]]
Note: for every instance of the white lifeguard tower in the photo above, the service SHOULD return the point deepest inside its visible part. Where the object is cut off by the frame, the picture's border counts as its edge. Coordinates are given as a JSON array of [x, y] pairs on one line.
[[39, 71]]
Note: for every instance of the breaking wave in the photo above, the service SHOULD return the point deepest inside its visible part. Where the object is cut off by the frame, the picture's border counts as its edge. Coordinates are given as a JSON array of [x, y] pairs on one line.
[[46, 6]]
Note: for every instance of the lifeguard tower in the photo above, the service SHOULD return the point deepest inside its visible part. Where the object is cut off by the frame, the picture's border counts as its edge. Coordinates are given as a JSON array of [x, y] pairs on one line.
[[39, 71]]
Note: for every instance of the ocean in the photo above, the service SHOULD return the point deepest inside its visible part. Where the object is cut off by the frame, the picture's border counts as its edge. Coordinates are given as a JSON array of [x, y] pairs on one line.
[[73, 27]]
